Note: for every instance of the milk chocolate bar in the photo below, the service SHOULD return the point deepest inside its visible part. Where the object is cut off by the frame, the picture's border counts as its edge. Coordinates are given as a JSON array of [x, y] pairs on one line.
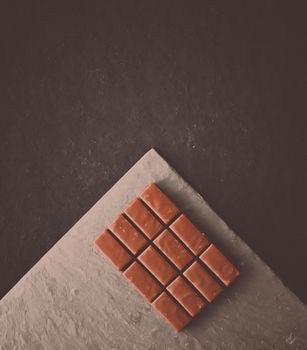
[[166, 257]]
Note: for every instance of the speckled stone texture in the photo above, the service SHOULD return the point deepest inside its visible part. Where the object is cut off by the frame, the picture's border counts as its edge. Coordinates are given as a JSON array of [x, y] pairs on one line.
[[74, 299]]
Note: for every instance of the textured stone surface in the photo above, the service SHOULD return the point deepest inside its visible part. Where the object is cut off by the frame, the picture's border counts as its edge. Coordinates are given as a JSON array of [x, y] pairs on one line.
[[74, 299]]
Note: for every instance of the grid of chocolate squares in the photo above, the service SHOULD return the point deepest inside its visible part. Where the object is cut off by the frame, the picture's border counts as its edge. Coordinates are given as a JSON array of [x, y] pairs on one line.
[[165, 257]]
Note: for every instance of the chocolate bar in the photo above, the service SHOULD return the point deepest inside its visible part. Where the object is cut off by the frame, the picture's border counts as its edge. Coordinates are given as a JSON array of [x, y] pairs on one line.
[[166, 257]]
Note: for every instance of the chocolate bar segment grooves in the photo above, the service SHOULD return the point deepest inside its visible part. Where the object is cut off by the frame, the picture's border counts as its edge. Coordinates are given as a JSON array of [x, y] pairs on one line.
[[165, 257]]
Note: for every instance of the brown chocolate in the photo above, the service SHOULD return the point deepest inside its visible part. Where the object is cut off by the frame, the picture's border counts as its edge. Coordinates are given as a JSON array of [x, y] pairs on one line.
[[143, 281], [189, 234], [159, 202], [157, 265], [201, 279], [113, 250], [160, 268], [186, 296], [142, 217], [128, 234], [219, 264], [171, 312], [173, 249]]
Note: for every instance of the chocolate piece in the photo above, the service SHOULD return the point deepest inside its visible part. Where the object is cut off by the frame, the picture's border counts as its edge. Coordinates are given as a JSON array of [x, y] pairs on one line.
[[201, 279], [189, 234], [157, 265], [113, 250], [173, 249], [143, 281], [219, 264], [159, 202], [186, 296], [143, 219], [128, 234], [171, 312]]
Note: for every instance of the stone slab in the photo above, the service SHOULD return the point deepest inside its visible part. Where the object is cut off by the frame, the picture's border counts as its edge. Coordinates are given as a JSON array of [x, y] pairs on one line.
[[74, 299]]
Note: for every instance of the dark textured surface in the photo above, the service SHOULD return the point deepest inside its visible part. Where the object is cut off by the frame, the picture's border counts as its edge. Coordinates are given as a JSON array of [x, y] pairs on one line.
[[218, 89]]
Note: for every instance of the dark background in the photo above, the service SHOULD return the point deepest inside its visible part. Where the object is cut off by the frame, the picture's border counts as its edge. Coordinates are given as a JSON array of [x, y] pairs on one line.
[[218, 88]]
